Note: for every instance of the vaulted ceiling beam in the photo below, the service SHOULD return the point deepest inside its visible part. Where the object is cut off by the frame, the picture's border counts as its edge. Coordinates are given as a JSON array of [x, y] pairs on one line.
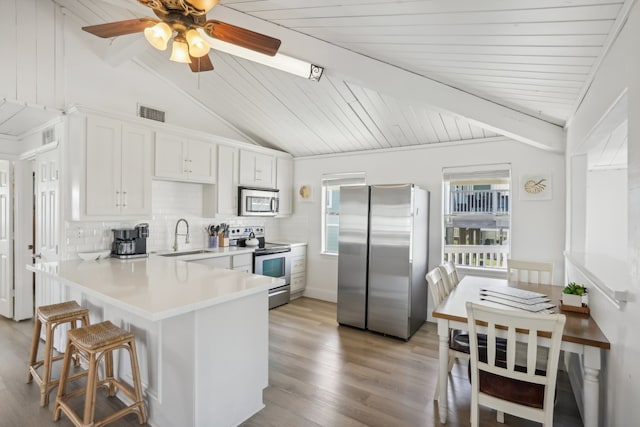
[[403, 84]]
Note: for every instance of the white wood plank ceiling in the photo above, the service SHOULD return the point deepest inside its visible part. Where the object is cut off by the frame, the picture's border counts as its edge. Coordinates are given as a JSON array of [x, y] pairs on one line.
[[532, 56]]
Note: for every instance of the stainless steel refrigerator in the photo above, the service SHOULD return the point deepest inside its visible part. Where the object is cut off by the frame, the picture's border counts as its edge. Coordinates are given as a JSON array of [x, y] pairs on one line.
[[383, 258]]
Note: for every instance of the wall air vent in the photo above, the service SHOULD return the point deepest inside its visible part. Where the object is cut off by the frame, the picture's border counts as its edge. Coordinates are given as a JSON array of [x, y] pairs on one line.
[[48, 135], [150, 113]]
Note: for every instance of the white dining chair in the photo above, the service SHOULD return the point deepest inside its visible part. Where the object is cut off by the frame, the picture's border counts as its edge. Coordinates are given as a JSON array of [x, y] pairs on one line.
[[497, 381], [458, 346], [530, 272], [449, 274]]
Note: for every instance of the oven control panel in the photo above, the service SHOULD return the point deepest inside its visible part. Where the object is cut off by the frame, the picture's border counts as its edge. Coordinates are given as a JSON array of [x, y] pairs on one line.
[[243, 232]]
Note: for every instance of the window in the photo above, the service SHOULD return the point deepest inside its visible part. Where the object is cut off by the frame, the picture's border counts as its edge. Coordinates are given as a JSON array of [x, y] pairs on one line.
[[331, 207], [477, 216]]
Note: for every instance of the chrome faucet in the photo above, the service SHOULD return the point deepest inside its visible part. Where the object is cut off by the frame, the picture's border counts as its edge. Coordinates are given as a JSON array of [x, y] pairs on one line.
[[186, 235]]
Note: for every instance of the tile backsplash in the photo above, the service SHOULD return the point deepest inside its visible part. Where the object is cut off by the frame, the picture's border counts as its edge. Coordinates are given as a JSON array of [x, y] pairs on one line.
[[171, 201]]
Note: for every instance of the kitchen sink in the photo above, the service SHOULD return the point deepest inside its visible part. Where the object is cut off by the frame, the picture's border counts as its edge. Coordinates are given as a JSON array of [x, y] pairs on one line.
[[171, 254]]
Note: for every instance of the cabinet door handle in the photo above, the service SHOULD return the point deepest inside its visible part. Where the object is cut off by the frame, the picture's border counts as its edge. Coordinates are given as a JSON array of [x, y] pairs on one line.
[[124, 199], [117, 199]]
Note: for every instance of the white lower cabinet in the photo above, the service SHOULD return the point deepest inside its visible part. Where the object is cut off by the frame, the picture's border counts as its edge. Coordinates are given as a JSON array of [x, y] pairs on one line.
[[217, 262], [243, 263], [298, 270]]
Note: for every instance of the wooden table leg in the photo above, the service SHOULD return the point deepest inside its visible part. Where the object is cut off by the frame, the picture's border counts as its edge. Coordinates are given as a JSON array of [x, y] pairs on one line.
[[443, 371]]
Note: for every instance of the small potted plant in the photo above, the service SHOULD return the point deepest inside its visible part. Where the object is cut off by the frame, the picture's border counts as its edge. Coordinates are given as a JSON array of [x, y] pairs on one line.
[[574, 295]]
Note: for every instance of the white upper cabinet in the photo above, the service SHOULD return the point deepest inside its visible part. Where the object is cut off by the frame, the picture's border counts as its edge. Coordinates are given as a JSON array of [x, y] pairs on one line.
[[227, 186], [284, 183], [118, 168], [183, 159], [257, 169]]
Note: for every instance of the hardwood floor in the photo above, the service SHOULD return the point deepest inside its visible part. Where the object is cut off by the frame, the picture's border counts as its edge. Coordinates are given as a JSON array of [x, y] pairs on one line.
[[19, 401], [323, 374], [320, 374]]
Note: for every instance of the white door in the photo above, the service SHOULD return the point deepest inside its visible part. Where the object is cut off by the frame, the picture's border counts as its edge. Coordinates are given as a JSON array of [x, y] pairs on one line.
[[104, 163], [264, 170], [202, 166], [23, 234], [6, 258], [170, 161], [284, 183], [47, 223], [135, 171], [227, 185]]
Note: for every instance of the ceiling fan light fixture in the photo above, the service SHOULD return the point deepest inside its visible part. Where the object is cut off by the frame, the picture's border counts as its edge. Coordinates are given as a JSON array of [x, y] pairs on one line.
[[198, 47], [203, 5], [180, 51], [158, 35]]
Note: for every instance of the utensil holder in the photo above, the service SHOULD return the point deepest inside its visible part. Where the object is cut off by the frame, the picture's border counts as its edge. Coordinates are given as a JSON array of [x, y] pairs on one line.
[[213, 241]]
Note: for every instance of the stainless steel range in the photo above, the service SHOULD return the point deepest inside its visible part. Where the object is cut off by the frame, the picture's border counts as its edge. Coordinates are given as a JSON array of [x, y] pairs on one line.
[[269, 259]]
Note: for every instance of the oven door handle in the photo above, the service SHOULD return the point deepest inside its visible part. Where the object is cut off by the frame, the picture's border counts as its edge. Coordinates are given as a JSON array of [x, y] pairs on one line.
[[272, 252], [278, 291]]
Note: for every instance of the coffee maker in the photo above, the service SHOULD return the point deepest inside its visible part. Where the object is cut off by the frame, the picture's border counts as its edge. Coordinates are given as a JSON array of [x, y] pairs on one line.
[[130, 242]]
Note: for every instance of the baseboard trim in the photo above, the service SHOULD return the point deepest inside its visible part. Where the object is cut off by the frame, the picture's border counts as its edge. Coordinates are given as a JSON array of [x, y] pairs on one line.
[[321, 294]]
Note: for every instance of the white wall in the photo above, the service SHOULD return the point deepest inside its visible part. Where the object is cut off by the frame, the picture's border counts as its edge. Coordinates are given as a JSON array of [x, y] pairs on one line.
[[92, 82], [537, 226], [31, 51], [607, 205], [619, 71], [58, 65]]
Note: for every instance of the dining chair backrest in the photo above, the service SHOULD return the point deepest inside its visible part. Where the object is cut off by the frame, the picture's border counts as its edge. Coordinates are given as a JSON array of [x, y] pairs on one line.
[[450, 274], [497, 381], [530, 272], [436, 285]]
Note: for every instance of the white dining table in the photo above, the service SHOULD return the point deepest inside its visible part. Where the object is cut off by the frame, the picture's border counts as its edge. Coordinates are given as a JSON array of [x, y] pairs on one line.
[[581, 335]]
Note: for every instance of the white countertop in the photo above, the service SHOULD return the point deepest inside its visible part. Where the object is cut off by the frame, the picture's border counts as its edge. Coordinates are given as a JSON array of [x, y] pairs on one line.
[[291, 243], [207, 253], [157, 287]]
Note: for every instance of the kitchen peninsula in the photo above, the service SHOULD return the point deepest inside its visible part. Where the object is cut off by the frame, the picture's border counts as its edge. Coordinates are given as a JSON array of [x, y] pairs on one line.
[[201, 332]]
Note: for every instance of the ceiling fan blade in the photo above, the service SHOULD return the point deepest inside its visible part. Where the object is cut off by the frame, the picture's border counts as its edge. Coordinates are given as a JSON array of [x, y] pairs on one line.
[[203, 63], [242, 37], [120, 28]]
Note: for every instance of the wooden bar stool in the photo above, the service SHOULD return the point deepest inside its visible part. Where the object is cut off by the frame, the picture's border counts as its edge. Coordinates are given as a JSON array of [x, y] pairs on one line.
[[51, 316], [94, 343]]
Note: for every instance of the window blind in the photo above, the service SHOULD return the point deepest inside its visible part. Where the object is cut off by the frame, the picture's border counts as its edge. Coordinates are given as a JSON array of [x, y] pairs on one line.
[[476, 173], [336, 180]]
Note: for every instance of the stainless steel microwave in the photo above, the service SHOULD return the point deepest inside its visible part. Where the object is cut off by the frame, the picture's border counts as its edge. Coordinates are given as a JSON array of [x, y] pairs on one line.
[[257, 201]]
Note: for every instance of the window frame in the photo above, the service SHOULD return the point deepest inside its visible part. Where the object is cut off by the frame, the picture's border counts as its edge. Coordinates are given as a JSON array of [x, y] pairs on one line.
[[334, 180], [476, 176]]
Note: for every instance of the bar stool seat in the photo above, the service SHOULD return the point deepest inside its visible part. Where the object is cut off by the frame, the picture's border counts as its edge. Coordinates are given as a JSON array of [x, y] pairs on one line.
[[51, 316], [95, 343]]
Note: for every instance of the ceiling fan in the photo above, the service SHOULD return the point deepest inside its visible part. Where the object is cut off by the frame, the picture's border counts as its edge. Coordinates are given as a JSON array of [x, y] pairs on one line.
[[184, 18]]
